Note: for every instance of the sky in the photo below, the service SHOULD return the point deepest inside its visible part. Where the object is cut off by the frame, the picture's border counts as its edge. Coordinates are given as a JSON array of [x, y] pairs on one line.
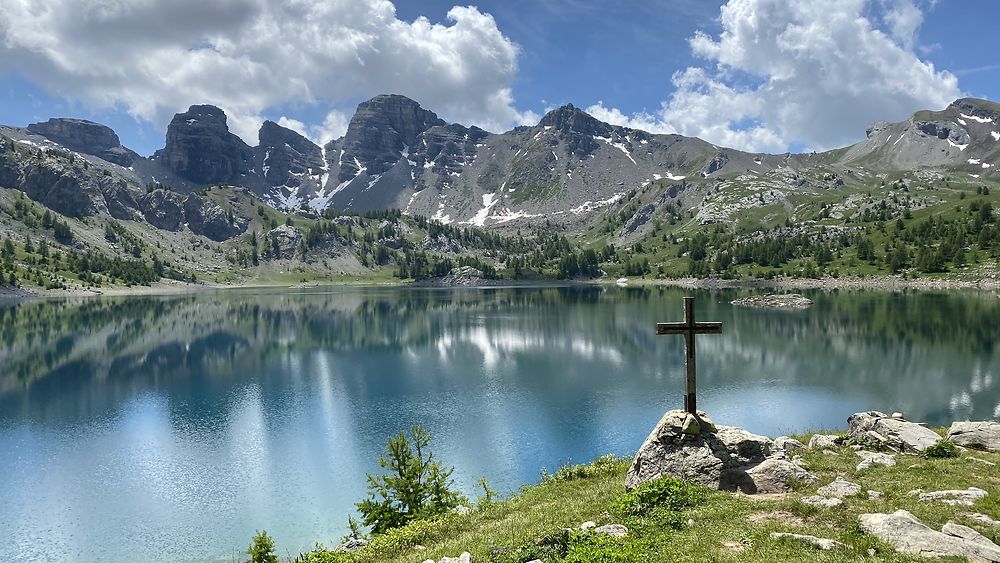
[[762, 75]]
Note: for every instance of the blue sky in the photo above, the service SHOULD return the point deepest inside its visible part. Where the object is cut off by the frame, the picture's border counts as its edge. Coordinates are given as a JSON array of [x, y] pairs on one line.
[[838, 66]]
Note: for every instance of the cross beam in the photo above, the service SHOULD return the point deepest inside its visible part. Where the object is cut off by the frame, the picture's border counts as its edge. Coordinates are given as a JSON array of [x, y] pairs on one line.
[[689, 328]]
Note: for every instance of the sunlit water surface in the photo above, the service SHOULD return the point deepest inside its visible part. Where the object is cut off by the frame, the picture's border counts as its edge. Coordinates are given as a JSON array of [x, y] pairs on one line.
[[172, 428]]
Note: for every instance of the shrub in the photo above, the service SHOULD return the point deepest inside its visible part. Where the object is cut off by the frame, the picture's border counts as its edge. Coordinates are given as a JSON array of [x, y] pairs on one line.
[[661, 494], [416, 486], [262, 549], [943, 448]]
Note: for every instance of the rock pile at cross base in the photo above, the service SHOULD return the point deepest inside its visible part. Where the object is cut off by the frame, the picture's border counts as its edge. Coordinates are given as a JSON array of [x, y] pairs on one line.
[[728, 458]]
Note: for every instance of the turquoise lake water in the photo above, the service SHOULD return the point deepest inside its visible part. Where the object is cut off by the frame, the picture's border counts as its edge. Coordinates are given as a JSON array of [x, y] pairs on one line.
[[172, 428]]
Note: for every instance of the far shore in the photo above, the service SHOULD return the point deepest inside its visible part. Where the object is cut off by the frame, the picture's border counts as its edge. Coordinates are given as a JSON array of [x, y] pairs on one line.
[[879, 283]]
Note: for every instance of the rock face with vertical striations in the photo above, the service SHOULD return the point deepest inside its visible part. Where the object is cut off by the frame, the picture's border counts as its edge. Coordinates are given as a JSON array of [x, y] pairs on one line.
[[86, 137], [378, 133], [287, 158], [205, 217], [201, 150]]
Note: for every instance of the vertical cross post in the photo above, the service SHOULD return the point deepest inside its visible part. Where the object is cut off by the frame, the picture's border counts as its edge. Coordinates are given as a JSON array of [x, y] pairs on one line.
[[689, 328]]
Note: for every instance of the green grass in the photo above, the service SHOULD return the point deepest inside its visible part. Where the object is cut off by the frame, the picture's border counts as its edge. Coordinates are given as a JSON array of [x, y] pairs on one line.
[[674, 521]]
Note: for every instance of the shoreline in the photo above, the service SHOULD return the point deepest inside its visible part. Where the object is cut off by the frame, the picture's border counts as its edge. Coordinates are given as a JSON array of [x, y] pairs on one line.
[[879, 283]]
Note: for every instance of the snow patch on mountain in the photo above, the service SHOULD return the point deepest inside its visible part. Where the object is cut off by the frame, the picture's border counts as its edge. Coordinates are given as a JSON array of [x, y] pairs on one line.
[[589, 206], [976, 118], [479, 219]]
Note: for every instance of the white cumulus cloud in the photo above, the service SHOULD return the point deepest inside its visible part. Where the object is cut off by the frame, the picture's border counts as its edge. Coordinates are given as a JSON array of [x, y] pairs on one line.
[[787, 73], [156, 58]]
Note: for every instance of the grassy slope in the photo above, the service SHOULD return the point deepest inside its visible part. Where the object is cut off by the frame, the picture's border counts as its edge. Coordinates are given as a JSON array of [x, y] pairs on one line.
[[725, 527]]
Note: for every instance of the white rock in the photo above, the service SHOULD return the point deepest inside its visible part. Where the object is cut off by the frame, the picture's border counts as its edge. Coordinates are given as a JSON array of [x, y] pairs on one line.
[[787, 444], [871, 459], [821, 543], [465, 557], [775, 475], [839, 488], [816, 500], [967, 497], [588, 525], [823, 441], [909, 535], [613, 530], [874, 495], [976, 435], [892, 433], [983, 519]]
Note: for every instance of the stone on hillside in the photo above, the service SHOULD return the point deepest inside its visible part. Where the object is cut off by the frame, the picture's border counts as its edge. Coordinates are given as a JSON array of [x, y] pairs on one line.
[[353, 544], [785, 301], [787, 444], [465, 557], [821, 543], [909, 535], [613, 530], [462, 510], [775, 475], [816, 500], [898, 435], [966, 497], [462, 275], [717, 457], [288, 240], [871, 459], [976, 435], [588, 525], [982, 519], [874, 495], [207, 218], [823, 441], [163, 209], [839, 488]]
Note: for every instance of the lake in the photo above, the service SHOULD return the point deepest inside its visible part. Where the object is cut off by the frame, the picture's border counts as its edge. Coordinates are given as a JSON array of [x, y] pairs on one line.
[[171, 428]]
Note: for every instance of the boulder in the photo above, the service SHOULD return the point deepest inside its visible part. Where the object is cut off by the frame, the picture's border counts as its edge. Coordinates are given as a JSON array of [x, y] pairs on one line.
[[871, 459], [352, 545], [968, 497], [821, 543], [784, 443], [613, 530], [976, 435], [839, 488], [823, 441], [824, 502], [775, 475], [462, 275], [895, 434], [982, 519], [288, 240], [716, 457], [909, 535], [465, 557]]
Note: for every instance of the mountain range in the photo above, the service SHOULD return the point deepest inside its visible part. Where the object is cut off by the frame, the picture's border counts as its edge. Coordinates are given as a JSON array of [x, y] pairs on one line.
[[397, 154]]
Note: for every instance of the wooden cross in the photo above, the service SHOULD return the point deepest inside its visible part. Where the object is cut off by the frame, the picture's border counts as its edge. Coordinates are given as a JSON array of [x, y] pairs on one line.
[[689, 328]]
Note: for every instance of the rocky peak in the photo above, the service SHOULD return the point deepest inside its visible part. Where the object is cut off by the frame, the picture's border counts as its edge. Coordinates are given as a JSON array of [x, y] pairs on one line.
[[979, 108], [201, 149], [577, 128], [84, 136], [286, 155], [378, 132]]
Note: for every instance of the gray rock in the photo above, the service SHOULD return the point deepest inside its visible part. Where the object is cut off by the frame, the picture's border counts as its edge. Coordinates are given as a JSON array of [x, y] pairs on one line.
[[613, 530], [871, 459], [462, 510], [465, 557], [824, 502], [909, 535], [966, 497], [785, 301], [286, 158], [288, 240], [588, 525], [874, 495], [716, 459], [839, 488], [787, 444], [162, 209], [897, 435], [205, 217], [462, 275], [976, 435], [821, 543], [775, 475], [353, 544], [823, 441], [982, 519]]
